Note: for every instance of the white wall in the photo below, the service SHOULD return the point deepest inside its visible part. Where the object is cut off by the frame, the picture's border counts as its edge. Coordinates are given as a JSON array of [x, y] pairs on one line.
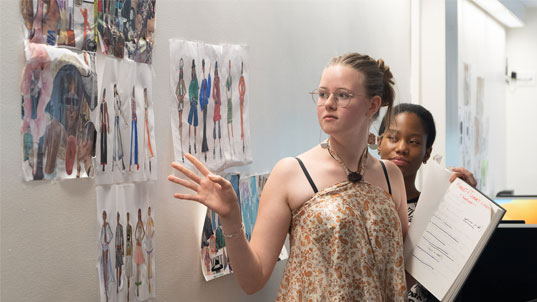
[[48, 242], [481, 44], [521, 109]]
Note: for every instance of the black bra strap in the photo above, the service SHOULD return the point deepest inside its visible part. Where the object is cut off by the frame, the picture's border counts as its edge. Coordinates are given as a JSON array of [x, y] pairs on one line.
[[307, 175], [386, 174]]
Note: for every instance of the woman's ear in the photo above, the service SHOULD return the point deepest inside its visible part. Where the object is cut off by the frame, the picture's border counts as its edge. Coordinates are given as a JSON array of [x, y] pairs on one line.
[[379, 141], [427, 154], [374, 106]]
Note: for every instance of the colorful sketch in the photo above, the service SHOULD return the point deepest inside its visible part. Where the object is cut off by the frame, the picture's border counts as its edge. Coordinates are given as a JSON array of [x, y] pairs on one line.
[[214, 259], [132, 253], [205, 85], [58, 91], [60, 22], [125, 153], [126, 28]]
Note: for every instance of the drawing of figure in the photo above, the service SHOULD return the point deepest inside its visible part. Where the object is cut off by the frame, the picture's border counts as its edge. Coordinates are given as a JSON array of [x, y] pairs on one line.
[[150, 232], [146, 122], [180, 92], [139, 234], [229, 96], [120, 248], [106, 265], [105, 129], [205, 94], [117, 154], [216, 116], [128, 256], [242, 92], [134, 132], [193, 113]]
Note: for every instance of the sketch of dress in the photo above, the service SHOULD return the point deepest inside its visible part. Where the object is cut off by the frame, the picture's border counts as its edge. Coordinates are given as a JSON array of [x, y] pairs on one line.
[[216, 116], [118, 142], [150, 232], [146, 123], [242, 92], [106, 264], [205, 94], [134, 133], [193, 113], [105, 129], [180, 92]]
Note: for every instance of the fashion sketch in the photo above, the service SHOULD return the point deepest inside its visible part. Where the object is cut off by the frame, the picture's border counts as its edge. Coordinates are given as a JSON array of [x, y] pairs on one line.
[[139, 234], [149, 153], [118, 142], [134, 133], [128, 257], [242, 92], [150, 232], [105, 130], [216, 116], [229, 96], [205, 94], [107, 275], [180, 92], [120, 248], [193, 90]]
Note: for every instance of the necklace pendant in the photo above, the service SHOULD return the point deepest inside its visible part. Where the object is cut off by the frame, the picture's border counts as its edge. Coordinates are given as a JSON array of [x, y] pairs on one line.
[[354, 177]]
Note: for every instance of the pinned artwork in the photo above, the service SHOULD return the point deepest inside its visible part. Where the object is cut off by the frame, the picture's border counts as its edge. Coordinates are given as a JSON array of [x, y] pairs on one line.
[[214, 258], [126, 28], [126, 265], [125, 124], [59, 97], [60, 22], [209, 103]]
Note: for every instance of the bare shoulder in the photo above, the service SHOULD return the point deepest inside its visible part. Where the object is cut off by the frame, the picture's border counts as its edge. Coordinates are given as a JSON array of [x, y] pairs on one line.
[[397, 182]]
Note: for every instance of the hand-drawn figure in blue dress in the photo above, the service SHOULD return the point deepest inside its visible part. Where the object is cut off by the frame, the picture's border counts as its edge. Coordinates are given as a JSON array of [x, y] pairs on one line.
[[180, 92], [134, 132], [107, 274], [193, 90], [205, 94], [229, 96], [117, 154], [120, 248]]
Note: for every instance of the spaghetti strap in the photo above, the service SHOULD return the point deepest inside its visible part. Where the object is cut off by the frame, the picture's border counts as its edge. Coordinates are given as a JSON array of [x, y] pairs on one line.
[[307, 175], [386, 175]]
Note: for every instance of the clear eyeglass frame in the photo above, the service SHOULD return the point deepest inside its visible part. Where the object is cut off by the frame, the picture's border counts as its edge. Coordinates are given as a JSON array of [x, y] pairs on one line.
[[342, 98]]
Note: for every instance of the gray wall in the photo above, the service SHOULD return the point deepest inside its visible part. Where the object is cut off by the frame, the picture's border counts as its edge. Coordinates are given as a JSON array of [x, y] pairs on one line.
[[49, 247]]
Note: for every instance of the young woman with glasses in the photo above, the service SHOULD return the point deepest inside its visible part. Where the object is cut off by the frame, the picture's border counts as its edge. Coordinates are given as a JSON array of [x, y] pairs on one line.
[[344, 210]]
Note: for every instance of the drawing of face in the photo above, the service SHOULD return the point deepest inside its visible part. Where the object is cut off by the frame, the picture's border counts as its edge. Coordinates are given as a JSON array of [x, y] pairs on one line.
[[104, 217], [139, 214], [229, 67], [405, 143], [352, 120], [149, 211], [128, 216], [117, 217]]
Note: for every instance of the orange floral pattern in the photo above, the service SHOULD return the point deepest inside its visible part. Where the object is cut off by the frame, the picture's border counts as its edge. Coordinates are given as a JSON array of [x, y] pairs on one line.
[[346, 245]]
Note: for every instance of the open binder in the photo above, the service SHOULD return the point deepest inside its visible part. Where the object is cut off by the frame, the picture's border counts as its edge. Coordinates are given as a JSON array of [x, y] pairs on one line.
[[451, 225]]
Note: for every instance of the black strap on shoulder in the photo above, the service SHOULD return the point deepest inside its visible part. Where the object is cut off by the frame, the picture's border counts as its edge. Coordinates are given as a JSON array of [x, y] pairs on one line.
[[307, 175], [386, 175]]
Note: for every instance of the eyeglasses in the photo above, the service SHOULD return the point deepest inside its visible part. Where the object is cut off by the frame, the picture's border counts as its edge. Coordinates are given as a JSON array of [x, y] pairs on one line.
[[342, 97]]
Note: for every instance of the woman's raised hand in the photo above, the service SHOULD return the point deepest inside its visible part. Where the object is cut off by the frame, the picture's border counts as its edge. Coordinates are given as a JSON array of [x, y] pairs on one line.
[[463, 174], [213, 191]]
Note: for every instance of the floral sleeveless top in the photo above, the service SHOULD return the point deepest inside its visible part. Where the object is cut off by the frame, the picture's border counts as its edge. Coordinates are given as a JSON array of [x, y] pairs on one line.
[[346, 245]]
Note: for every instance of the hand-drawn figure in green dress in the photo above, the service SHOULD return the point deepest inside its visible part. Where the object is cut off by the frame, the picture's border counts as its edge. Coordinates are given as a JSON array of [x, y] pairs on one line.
[[193, 90], [120, 248], [180, 92], [229, 96]]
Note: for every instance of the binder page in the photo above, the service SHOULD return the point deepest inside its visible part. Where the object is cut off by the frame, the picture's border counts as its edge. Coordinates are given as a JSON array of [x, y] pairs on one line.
[[448, 235]]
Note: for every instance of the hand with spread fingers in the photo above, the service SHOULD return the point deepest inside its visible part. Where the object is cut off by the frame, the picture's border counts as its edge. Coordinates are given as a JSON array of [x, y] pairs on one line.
[[213, 191], [463, 174]]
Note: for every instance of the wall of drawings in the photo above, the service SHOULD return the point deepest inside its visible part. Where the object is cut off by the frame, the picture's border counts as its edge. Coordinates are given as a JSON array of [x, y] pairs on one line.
[[126, 147], [209, 103], [126, 266]]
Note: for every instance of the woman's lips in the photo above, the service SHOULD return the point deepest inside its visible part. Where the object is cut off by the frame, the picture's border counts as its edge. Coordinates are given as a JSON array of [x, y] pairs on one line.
[[329, 117], [400, 162]]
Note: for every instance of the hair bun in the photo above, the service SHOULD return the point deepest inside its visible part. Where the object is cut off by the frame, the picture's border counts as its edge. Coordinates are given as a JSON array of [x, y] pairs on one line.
[[388, 82]]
